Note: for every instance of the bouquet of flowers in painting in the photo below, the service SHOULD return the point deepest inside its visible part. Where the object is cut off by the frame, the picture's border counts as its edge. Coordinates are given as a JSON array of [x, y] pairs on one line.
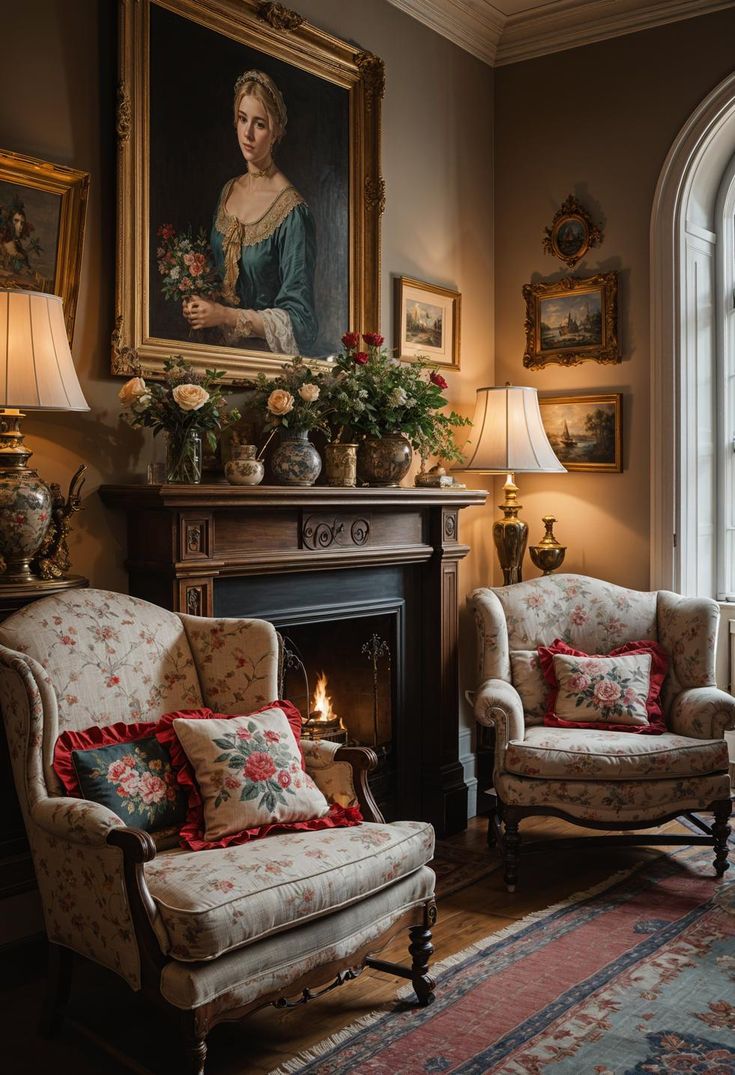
[[185, 264]]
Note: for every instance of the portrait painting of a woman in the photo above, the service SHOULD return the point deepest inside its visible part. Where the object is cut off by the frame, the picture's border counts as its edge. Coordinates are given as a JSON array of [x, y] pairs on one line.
[[262, 238]]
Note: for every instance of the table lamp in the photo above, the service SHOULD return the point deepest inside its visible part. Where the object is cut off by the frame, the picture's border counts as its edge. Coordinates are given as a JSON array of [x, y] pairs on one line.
[[36, 373], [508, 437]]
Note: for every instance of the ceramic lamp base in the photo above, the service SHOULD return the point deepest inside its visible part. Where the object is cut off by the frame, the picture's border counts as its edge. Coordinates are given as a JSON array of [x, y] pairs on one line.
[[25, 503]]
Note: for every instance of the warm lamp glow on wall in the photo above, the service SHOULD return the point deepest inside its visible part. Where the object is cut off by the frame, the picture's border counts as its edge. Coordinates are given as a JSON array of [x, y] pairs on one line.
[[508, 437], [36, 373]]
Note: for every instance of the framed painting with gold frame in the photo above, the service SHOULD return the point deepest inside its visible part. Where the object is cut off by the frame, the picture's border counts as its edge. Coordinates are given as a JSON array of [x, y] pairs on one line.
[[572, 321], [178, 154], [426, 322], [586, 432], [42, 213]]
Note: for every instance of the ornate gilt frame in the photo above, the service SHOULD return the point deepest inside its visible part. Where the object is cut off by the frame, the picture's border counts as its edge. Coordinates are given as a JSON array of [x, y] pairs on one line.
[[607, 353], [71, 187], [272, 29], [571, 210]]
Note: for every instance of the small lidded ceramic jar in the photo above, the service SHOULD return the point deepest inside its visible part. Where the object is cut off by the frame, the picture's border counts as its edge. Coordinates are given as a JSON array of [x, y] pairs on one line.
[[243, 468]]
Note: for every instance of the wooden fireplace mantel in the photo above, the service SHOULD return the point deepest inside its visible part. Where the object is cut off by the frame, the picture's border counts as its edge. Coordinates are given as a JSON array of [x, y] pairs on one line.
[[182, 539]]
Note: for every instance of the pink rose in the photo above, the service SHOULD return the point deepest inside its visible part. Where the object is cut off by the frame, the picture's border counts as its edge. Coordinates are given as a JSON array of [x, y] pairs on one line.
[[129, 782], [630, 696], [594, 668], [607, 692], [579, 682], [272, 737], [152, 789], [116, 771], [243, 733], [579, 616], [284, 779], [231, 783], [259, 766]]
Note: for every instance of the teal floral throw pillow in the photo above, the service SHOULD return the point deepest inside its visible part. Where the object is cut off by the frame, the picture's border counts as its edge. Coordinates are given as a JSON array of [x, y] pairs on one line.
[[133, 779]]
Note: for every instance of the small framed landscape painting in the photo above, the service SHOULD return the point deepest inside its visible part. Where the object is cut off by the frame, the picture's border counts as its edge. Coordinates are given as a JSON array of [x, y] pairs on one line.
[[427, 322], [586, 432], [572, 321]]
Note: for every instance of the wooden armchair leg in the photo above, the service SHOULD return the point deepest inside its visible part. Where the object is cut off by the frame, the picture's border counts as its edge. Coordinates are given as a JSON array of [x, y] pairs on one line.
[[721, 832], [194, 1043], [492, 838], [421, 950], [58, 987], [511, 848]]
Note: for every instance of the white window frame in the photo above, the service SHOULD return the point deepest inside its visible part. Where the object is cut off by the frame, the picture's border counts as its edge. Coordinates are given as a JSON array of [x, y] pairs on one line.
[[725, 366], [684, 420]]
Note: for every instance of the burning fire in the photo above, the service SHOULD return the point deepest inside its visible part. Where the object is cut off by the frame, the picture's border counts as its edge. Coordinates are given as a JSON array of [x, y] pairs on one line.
[[321, 703]]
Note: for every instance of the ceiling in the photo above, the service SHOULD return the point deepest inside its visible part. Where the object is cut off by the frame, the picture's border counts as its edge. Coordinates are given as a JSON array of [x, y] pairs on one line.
[[506, 31]]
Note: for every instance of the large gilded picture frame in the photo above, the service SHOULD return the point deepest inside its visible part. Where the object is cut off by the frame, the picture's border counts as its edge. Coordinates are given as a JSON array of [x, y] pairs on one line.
[[572, 321], [42, 213], [311, 263]]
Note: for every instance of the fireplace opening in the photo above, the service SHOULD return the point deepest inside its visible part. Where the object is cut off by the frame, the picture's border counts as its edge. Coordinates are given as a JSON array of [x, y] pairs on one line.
[[340, 675]]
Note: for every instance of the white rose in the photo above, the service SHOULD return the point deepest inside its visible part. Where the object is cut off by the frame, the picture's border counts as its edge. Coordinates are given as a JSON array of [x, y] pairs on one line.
[[143, 401], [280, 401], [131, 391], [309, 392], [190, 397]]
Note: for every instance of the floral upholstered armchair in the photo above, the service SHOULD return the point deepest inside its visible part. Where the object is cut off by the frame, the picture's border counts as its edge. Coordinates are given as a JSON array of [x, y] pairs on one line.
[[213, 934], [598, 777]]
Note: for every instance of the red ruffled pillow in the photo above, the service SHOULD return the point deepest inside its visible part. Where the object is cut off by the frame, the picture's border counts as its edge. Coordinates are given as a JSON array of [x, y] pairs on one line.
[[192, 831], [601, 690]]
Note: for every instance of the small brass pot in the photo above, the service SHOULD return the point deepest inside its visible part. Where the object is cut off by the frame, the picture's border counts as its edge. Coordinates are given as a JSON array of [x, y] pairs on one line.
[[548, 555], [340, 464]]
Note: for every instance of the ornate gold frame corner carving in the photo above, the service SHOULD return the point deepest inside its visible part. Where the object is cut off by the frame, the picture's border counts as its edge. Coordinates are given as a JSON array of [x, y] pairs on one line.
[[607, 352]]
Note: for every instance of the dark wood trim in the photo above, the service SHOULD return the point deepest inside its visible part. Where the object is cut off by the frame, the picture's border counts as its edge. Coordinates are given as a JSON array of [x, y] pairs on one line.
[[221, 494], [138, 848], [363, 761], [504, 823]]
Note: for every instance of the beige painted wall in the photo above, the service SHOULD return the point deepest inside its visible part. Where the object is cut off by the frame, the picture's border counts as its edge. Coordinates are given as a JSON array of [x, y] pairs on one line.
[[597, 122]]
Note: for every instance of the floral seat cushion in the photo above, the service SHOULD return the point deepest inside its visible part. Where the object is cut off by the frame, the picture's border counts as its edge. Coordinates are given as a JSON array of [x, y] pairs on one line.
[[211, 902], [568, 754]]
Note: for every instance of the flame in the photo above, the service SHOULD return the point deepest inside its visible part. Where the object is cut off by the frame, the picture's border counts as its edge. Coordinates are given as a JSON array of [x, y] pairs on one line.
[[321, 703]]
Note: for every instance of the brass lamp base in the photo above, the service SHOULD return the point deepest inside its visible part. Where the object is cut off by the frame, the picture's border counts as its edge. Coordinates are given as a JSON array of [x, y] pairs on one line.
[[510, 535], [548, 555]]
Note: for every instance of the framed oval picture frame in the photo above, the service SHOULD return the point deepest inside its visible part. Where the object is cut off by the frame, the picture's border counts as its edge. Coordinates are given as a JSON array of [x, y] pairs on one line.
[[571, 233]]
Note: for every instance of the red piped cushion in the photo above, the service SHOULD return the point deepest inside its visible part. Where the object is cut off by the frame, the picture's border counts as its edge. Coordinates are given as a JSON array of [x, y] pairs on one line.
[[598, 684], [193, 831]]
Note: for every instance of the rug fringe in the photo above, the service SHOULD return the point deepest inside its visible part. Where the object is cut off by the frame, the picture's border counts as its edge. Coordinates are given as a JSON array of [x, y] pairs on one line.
[[316, 1052]]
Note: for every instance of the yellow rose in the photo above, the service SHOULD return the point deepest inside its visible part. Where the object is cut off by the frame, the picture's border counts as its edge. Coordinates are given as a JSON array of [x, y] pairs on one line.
[[280, 401], [190, 397], [309, 392], [131, 391]]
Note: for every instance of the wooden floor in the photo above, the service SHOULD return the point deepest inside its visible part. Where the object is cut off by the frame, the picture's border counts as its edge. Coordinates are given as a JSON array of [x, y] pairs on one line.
[[112, 1033]]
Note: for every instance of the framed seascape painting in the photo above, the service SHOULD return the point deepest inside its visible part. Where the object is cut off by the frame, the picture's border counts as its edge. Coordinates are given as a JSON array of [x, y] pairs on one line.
[[426, 322], [42, 212], [572, 321], [250, 192], [586, 432]]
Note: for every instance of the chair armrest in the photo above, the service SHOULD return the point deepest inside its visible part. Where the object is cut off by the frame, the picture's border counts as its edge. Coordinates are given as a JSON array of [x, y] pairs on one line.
[[498, 704], [77, 820], [341, 774], [702, 713]]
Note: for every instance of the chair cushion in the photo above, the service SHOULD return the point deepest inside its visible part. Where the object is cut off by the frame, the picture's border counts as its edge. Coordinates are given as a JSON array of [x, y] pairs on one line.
[[528, 679], [618, 691], [211, 902], [568, 754]]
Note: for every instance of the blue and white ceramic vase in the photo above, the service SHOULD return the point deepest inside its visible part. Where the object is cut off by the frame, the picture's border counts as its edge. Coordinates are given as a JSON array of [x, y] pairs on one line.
[[296, 461]]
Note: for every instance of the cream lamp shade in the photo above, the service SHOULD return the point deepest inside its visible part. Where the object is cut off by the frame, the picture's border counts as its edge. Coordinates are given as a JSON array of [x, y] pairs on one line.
[[508, 437], [36, 373], [36, 366]]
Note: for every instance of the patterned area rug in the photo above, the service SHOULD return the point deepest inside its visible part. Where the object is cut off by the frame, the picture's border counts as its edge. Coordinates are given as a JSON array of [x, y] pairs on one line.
[[632, 978]]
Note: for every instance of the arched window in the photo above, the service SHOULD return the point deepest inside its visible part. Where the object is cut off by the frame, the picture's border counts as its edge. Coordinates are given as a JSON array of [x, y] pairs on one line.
[[725, 383], [691, 450]]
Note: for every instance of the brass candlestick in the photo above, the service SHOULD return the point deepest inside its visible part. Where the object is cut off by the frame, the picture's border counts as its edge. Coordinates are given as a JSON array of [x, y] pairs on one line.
[[548, 555]]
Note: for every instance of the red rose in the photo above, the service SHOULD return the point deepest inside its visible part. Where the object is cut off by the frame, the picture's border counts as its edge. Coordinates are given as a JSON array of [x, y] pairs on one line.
[[361, 358], [272, 737], [438, 380], [259, 766], [372, 339], [284, 779], [350, 340]]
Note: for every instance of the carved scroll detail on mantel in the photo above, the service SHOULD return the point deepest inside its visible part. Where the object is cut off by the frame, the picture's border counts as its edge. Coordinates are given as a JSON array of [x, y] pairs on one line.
[[321, 532]]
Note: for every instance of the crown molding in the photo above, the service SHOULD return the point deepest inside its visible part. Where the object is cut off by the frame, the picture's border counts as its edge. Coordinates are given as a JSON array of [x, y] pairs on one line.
[[481, 29], [568, 24], [474, 25]]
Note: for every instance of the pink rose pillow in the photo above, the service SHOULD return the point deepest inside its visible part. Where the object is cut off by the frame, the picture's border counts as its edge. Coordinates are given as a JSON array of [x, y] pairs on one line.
[[618, 691]]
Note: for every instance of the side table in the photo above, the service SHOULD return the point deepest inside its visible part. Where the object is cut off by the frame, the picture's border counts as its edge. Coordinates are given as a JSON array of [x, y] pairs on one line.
[[16, 869]]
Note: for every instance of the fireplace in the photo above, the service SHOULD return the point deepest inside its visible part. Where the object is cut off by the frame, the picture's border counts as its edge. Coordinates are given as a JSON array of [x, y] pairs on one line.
[[336, 571]]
